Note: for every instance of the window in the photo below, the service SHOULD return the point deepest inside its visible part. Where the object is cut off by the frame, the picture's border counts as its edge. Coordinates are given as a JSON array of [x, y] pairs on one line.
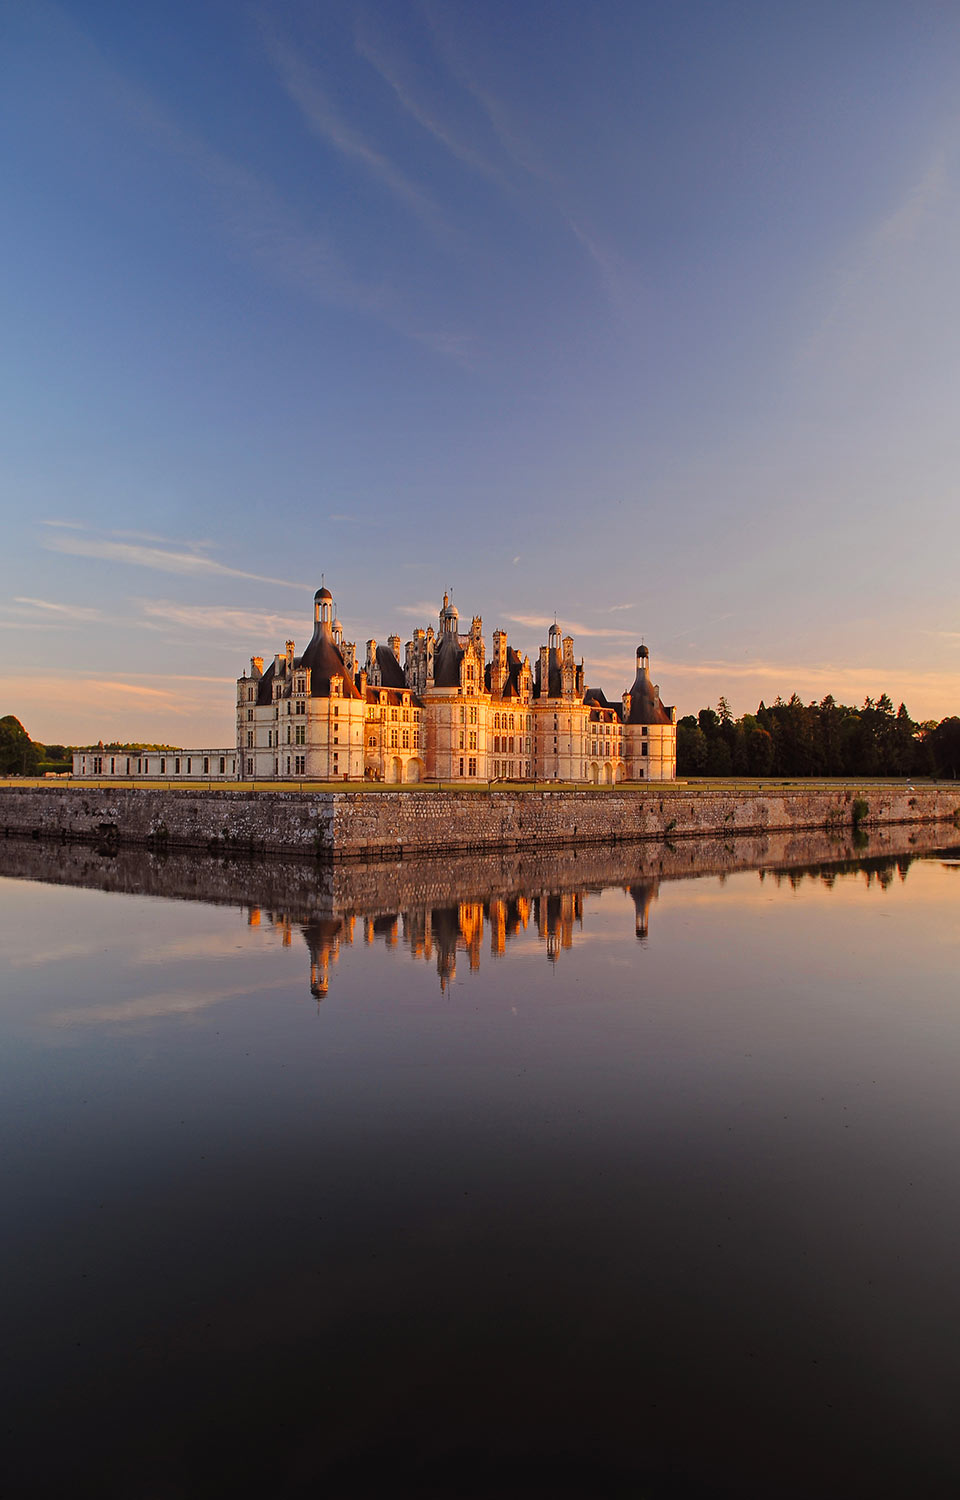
[[206, 765], [511, 726], [406, 739], [189, 764], [496, 768], [176, 765], [249, 766], [301, 764], [473, 715], [288, 734], [249, 715], [249, 739], [301, 708], [416, 739], [473, 739], [393, 716], [393, 739], [473, 766], [406, 715], [460, 746], [288, 765], [336, 713], [461, 765], [301, 738], [223, 764], [496, 723], [510, 745], [163, 766]]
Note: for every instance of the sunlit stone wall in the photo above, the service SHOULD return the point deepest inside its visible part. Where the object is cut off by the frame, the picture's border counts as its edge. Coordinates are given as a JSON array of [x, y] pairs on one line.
[[372, 824]]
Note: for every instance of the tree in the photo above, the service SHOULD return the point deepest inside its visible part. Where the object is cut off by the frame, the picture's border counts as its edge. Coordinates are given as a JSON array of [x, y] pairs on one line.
[[19, 756], [945, 744], [692, 747]]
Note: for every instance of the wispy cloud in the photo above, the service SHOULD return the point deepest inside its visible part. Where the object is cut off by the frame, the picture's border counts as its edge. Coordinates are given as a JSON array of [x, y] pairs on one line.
[[302, 83], [398, 73], [71, 611], [569, 627], [163, 560], [250, 213], [68, 525], [240, 624], [427, 609]]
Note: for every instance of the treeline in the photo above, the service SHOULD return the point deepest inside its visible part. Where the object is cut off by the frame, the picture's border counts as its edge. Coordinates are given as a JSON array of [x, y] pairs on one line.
[[817, 739]]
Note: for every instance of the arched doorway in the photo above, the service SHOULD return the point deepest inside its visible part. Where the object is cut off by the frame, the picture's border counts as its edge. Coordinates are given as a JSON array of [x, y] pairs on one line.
[[414, 770], [396, 769], [594, 772], [607, 774]]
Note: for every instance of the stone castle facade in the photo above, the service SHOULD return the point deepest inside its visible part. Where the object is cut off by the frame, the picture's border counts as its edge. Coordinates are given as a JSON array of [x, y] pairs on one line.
[[435, 709], [440, 710]]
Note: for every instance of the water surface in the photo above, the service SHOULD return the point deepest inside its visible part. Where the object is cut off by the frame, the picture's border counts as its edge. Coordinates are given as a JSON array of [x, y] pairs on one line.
[[568, 1179]]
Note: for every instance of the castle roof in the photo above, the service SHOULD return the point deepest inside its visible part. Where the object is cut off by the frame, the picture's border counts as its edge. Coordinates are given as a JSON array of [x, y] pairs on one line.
[[645, 705], [325, 661], [391, 672], [447, 656]]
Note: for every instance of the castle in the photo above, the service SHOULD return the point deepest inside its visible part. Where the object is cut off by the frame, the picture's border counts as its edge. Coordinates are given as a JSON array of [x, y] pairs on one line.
[[441, 712]]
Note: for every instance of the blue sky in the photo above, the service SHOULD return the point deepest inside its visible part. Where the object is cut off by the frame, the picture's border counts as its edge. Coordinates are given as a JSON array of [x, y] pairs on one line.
[[643, 315]]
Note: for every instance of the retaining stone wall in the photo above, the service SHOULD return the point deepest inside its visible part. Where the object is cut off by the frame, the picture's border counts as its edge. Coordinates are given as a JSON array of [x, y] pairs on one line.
[[388, 825]]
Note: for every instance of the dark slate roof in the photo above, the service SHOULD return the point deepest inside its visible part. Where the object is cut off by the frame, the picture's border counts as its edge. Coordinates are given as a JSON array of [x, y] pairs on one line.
[[597, 698], [645, 705], [325, 661], [554, 684], [511, 685], [391, 672], [393, 696], [447, 656], [265, 686]]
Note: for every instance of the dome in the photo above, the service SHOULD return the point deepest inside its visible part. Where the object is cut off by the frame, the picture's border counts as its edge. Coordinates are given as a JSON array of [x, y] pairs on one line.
[[323, 594]]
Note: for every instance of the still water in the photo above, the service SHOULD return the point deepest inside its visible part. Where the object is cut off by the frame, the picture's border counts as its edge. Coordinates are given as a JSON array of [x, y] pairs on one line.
[[570, 1177]]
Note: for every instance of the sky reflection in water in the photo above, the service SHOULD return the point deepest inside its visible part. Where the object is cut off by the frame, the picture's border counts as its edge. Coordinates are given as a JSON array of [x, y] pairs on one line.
[[519, 1205]]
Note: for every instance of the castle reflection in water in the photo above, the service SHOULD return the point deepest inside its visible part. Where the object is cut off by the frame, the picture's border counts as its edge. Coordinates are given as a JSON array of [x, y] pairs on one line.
[[439, 934]]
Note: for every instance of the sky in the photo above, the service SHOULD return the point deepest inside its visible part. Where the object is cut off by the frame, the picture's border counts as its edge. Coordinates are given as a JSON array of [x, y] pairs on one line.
[[638, 315]]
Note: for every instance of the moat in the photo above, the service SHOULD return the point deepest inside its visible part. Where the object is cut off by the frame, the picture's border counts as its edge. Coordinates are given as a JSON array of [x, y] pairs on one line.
[[586, 1172]]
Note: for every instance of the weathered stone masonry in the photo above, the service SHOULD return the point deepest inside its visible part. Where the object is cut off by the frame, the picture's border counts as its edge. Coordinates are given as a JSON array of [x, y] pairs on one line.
[[376, 825]]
